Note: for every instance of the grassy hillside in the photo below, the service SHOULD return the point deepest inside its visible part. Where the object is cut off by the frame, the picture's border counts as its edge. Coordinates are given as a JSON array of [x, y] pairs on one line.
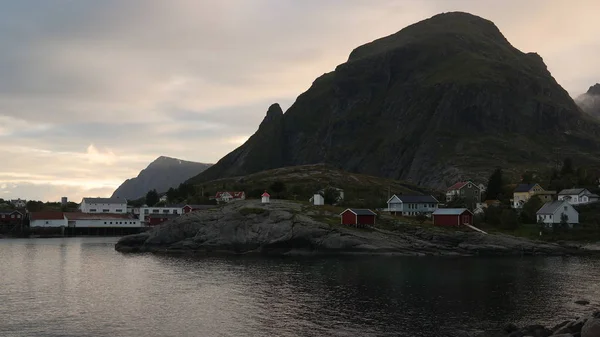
[[301, 182]]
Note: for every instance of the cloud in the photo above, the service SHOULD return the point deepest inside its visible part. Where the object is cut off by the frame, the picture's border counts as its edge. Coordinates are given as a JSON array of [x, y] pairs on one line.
[[92, 91]]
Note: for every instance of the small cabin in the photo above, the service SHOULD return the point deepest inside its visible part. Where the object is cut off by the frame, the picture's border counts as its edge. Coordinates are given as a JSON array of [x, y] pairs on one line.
[[452, 217], [318, 200], [265, 198], [358, 217]]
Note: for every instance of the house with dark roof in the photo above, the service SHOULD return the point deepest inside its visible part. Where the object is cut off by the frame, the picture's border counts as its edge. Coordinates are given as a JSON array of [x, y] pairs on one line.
[[358, 217], [103, 205], [470, 192], [578, 196], [10, 217], [412, 205], [554, 212], [524, 192]]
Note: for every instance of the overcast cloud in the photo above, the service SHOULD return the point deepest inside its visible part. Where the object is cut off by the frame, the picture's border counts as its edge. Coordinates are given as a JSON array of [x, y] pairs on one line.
[[92, 91]]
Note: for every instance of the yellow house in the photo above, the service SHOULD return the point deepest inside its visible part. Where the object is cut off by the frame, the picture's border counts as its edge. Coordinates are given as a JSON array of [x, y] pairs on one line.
[[524, 192]]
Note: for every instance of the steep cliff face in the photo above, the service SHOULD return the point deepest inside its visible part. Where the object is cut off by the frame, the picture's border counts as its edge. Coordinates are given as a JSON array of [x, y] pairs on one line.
[[590, 101], [444, 99], [162, 174]]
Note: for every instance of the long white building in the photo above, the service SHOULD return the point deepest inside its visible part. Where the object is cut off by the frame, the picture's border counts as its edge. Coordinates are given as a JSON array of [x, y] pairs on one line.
[[82, 220], [103, 205]]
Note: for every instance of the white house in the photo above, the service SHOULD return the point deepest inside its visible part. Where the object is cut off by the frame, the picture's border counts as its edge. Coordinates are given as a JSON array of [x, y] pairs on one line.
[[103, 205], [18, 203], [265, 198], [412, 205], [47, 219], [163, 198], [229, 196], [577, 196], [100, 220], [552, 213], [318, 200], [145, 211]]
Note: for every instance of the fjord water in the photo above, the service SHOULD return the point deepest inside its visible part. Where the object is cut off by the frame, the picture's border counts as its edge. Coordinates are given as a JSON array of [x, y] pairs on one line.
[[82, 287]]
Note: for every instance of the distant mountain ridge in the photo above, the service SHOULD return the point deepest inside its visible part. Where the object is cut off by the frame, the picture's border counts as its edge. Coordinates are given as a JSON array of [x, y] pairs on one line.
[[442, 100], [162, 174], [590, 101]]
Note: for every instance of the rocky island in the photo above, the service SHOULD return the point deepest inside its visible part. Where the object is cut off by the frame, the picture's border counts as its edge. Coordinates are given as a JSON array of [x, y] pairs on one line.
[[291, 228]]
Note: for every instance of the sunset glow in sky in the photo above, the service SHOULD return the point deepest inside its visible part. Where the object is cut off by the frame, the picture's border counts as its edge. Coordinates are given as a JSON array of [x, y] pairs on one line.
[[92, 91]]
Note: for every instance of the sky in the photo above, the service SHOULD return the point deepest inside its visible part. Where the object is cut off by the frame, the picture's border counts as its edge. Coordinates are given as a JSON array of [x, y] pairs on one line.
[[92, 91]]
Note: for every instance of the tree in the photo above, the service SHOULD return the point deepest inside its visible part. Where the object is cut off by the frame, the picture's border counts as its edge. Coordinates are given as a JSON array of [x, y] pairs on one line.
[[152, 198], [528, 177], [530, 208], [277, 187], [564, 221], [171, 194], [495, 183], [509, 219], [34, 206], [567, 167], [331, 195]]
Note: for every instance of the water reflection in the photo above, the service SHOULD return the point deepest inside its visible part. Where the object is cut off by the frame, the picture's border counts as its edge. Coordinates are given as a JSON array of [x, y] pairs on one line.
[[82, 287]]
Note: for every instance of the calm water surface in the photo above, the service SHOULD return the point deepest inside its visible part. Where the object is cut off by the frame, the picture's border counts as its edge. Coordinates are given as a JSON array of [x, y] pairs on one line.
[[82, 287]]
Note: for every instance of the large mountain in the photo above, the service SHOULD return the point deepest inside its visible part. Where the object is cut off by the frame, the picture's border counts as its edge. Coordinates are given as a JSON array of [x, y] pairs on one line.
[[590, 101], [161, 174], [444, 99]]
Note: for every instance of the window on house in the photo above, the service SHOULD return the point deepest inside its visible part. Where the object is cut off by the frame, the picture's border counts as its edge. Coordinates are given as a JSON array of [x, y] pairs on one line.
[[105, 222], [175, 211], [155, 211], [92, 209], [111, 222], [106, 210], [565, 208], [119, 211], [146, 211], [47, 222], [166, 211]]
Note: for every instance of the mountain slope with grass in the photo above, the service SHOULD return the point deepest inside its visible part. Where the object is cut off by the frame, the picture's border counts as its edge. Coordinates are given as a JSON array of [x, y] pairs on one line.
[[445, 99]]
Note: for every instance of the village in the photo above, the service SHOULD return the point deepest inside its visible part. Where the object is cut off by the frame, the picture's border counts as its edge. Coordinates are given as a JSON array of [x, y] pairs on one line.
[[464, 206]]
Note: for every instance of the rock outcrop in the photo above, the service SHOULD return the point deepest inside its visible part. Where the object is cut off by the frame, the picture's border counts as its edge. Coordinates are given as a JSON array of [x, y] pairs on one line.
[[284, 227], [445, 99]]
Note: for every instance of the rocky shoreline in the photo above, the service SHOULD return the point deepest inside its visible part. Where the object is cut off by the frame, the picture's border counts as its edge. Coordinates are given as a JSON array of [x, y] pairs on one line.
[[288, 228], [585, 326]]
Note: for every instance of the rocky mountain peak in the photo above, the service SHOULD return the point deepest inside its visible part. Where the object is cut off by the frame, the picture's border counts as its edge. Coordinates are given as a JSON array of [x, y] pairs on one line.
[[594, 90]]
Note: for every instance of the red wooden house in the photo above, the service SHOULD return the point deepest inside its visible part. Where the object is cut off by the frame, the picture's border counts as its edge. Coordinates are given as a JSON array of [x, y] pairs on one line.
[[10, 217], [157, 219], [356, 217], [452, 217]]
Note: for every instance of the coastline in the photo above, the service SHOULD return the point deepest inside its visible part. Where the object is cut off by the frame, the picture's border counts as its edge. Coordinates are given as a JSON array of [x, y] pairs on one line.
[[285, 228]]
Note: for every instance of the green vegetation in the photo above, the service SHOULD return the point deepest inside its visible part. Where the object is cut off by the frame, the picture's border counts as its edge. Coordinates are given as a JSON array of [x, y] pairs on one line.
[[152, 198]]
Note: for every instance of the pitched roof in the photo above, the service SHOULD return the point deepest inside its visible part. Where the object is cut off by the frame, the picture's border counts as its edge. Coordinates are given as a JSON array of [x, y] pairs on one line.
[[265, 194], [47, 215], [524, 187], [235, 195], [458, 186], [10, 211], [551, 207], [105, 200], [450, 211], [96, 216], [428, 199], [360, 211], [572, 191]]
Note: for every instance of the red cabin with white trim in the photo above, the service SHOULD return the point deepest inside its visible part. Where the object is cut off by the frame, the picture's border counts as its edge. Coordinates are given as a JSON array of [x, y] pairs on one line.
[[356, 217], [452, 217]]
